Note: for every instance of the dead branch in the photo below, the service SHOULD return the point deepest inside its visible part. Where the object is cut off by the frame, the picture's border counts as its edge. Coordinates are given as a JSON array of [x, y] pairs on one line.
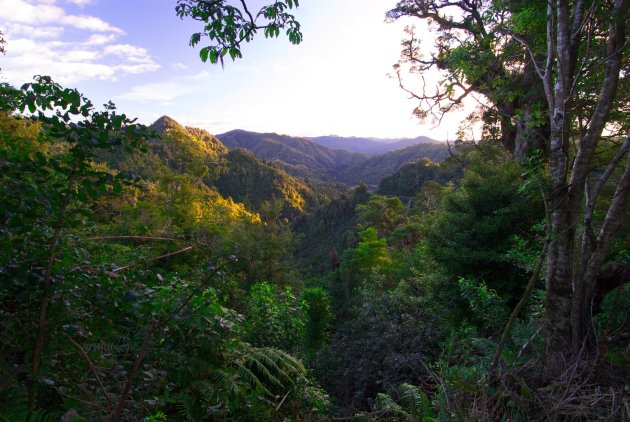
[[92, 368]]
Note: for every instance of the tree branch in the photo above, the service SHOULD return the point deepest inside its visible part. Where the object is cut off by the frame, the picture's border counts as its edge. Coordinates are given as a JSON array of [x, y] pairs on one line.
[[135, 264], [92, 368]]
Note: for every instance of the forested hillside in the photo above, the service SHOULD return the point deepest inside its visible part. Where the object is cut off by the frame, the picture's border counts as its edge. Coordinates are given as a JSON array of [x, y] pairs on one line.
[[161, 273], [300, 156], [374, 169]]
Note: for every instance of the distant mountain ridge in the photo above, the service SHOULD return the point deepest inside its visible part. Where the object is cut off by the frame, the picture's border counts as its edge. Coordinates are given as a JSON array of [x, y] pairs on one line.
[[369, 146], [306, 158], [298, 156], [377, 167]]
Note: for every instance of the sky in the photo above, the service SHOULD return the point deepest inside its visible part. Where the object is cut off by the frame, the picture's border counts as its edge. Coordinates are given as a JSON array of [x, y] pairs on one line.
[[136, 53]]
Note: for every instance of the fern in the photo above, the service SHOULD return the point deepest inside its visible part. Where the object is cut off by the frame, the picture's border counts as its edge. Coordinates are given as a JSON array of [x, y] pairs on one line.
[[264, 369], [415, 400], [188, 408], [385, 402], [414, 405], [248, 376], [102, 348], [207, 389]]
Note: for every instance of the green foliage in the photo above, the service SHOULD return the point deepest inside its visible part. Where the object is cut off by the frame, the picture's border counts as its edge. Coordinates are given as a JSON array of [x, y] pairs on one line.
[[228, 26], [382, 213], [370, 255], [488, 309], [248, 180], [471, 236], [414, 405], [48, 186], [277, 318], [317, 305], [129, 278], [328, 228], [411, 176], [383, 340]]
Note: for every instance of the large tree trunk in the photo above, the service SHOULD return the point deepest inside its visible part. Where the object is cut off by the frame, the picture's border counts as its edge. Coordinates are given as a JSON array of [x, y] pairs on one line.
[[573, 267]]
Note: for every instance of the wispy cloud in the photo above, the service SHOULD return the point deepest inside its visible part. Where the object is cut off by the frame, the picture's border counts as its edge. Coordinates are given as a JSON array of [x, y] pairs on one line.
[[28, 31], [34, 30], [81, 3], [163, 92], [166, 92], [179, 66]]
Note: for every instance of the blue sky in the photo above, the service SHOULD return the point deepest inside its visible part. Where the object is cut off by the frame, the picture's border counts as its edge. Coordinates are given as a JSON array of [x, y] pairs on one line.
[[136, 53]]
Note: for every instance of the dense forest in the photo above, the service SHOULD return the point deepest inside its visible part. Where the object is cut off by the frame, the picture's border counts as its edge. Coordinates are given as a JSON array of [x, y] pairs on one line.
[[162, 273]]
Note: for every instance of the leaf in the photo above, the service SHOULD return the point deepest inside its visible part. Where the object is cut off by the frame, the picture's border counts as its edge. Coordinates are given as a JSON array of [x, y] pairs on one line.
[[203, 54], [195, 38]]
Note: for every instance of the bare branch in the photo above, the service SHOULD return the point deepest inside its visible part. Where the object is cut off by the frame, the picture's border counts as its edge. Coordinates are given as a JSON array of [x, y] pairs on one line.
[[92, 368], [135, 264]]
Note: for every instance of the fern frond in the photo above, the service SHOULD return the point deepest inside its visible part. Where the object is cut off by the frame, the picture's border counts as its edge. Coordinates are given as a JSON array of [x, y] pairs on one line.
[[102, 348], [232, 386], [205, 388], [218, 376], [287, 360], [385, 402], [250, 378], [187, 407], [261, 366], [412, 398]]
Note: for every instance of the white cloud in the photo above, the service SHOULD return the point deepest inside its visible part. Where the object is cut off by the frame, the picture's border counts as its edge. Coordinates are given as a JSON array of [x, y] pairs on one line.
[[38, 44], [89, 23], [98, 39], [204, 75], [38, 13], [81, 3], [17, 29], [130, 52], [67, 63]]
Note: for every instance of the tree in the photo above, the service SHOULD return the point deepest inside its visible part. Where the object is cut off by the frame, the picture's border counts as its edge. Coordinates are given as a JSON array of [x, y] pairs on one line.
[[560, 61], [480, 222], [228, 27], [475, 57], [44, 195], [575, 259]]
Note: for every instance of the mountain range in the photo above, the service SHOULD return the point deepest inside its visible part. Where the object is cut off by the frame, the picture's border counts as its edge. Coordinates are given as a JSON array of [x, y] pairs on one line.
[[308, 158], [255, 168], [369, 146]]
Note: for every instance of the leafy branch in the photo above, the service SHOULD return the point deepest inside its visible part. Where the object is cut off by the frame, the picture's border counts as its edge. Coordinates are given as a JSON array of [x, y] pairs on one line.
[[228, 27]]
